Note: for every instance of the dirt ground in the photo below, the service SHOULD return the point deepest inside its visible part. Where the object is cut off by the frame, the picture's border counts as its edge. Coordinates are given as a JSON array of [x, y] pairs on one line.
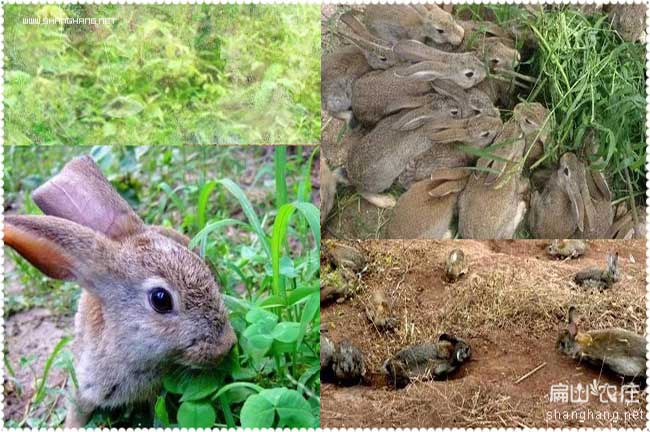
[[30, 335], [510, 308]]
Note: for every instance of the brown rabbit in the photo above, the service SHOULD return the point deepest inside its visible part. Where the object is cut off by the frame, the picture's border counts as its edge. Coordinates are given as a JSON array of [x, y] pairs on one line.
[[455, 265], [382, 155], [339, 71], [398, 22], [427, 209], [598, 278], [379, 311], [620, 350], [435, 360], [147, 302]]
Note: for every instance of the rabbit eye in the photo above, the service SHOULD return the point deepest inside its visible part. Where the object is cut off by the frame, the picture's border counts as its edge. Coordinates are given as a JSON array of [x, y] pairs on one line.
[[469, 74], [454, 111], [440, 31], [566, 172], [495, 62], [161, 300]]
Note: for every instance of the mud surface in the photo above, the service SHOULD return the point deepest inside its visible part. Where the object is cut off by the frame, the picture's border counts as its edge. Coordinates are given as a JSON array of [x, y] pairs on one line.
[[510, 308]]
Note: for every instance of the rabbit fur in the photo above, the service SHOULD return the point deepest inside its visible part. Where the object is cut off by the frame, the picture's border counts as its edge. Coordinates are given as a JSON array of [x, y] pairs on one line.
[[122, 345]]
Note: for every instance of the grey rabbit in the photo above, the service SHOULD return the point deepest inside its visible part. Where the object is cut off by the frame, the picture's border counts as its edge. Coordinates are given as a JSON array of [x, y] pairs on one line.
[[397, 22], [348, 364], [148, 301], [619, 350], [382, 155], [340, 69], [435, 360], [598, 278]]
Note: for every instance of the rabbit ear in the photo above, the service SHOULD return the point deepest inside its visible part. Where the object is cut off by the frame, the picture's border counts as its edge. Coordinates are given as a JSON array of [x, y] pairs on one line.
[[598, 185], [422, 71], [407, 102], [573, 325], [80, 193], [612, 261], [362, 38], [448, 187], [414, 119], [420, 9], [568, 182], [57, 247], [416, 51]]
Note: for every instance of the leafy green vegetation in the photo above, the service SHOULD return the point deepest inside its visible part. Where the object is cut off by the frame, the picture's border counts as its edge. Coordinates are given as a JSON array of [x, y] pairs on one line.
[[590, 79], [249, 212], [163, 74]]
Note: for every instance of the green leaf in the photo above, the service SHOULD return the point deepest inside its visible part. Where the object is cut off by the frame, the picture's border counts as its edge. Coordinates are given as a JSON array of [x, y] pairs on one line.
[[161, 411], [257, 412], [286, 332], [262, 317], [175, 381], [201, 386], [196, 415], [294, 411]]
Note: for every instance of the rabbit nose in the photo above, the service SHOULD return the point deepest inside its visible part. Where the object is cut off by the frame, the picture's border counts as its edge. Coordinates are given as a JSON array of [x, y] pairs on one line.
[[207, 351]]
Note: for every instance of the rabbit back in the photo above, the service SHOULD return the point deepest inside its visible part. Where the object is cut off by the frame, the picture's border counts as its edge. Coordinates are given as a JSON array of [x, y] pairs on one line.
[[381, 93], [623, 351], [418, 215]]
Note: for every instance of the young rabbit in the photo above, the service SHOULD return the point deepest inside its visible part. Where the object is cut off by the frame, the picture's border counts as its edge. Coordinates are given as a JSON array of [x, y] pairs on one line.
[[493, 203], [575, 203], [340, 69], [472, 103], [427, 361], [382, 155], [342, 255], [617, 349], [348, 364], [147, 302], [464, 69], [397, 22], [455, 266], [566, 249], [381, 93], [599, 278], [380, 311], [427, 208], [558, 210]]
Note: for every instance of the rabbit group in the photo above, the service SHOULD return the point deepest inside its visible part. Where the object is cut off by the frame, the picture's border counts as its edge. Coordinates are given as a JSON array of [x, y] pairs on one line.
[[410, 80], [343, 363], [148, 302], [424, 116]]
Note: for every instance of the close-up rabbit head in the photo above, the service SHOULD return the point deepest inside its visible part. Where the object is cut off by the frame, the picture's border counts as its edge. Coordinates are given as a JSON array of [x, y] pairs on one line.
[[148, 301], [462, 350]]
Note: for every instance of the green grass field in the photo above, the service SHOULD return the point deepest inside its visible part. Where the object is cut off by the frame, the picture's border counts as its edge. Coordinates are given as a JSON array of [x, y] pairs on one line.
[[163, 74], [249, 211]]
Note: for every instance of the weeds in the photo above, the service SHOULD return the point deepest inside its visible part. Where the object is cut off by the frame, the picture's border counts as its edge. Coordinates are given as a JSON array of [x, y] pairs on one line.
[[163, 74]]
